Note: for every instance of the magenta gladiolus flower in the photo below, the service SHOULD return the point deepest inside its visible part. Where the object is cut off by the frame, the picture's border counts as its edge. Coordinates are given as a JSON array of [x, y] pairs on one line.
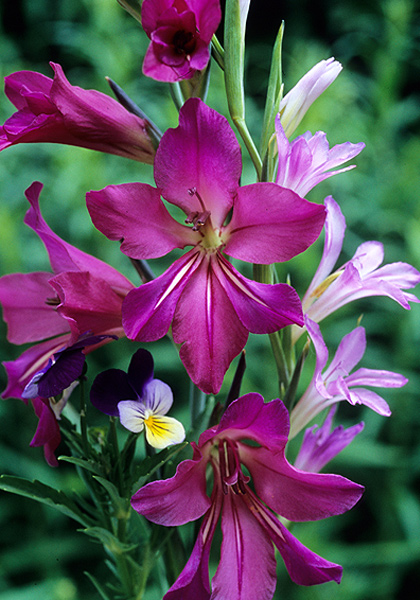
[[180, 32], [247, 568], [307, 160], [337, 383], [360, 277], [52, 110], [320, 445], [75, 309], [210, 305], [295, 103]]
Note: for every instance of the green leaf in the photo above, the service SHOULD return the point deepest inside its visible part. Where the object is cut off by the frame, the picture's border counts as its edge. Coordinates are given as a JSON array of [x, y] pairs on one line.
[[152, 463], [109, 540], [84, 464], [98, 586], [46, 495], [133, 7], [120, 504]]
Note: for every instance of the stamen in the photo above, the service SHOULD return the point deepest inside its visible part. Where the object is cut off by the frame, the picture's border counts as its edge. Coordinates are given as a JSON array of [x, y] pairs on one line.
[[53, 301], [198, 219]]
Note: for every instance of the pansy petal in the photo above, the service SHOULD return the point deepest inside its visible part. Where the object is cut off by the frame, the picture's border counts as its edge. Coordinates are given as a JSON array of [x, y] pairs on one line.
[[261, 307], [157, 397], [178, 500], [21, 370], [28, 302], [109, 388], [140, 370], [162, 431], [304, 496], [132, 414], [148, 310], [203, 316], [134, 214], [247, 568], [272, 224], [64, 256], [206, 157]]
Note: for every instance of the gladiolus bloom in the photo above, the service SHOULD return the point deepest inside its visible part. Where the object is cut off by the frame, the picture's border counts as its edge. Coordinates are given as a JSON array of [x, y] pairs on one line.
[[360, 277], [180, 32], [247, 568], [307, 160], [210, 305], [337, 383], [53, 110]]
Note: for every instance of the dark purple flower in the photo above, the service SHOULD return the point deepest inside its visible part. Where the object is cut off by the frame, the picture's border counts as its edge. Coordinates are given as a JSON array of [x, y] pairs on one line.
[[139, 400], [253, 435]]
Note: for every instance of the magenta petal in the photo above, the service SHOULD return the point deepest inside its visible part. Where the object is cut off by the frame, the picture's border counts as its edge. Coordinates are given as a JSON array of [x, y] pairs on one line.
[[178, 500], [48, 431], [148, 310], [193, 582], [262, 308], [16, 84], [304, 566], [134, 214], [272, 224], [205, 156], [207, 326], [25, 309], [303, 496], [96, 310], [154, 68], [247, 568], [64, 256], [251, 418]]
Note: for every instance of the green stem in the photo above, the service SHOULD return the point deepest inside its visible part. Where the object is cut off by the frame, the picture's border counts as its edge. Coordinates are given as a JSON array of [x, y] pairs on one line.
[[249, 143], [83, 423], [197, 403], [117, 457], [218, 52]]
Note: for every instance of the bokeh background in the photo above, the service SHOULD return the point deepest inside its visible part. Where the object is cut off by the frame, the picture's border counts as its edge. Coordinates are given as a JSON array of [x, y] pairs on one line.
[[375, 100]]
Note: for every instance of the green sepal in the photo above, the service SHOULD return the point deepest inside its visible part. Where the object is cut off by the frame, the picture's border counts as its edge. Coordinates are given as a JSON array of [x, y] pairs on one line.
[[274, 94], [133, 7], [46, 495]]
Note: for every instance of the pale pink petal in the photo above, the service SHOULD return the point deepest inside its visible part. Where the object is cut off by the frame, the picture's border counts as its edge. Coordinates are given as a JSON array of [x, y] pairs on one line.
[[376, 378], [272, 224], [370, 399], [207, 162], [349, 352], [134, 214]]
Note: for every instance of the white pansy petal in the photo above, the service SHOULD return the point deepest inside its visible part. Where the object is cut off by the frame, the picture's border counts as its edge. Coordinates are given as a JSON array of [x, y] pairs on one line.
[[157, 397], [132, 415], [163, 431]]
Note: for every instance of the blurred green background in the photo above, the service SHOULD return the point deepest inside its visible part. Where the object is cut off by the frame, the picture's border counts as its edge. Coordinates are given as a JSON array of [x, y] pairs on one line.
[[373, 100]]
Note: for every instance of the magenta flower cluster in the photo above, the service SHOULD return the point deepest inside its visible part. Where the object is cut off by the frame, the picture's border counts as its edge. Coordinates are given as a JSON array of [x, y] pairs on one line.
[[204, 302]]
